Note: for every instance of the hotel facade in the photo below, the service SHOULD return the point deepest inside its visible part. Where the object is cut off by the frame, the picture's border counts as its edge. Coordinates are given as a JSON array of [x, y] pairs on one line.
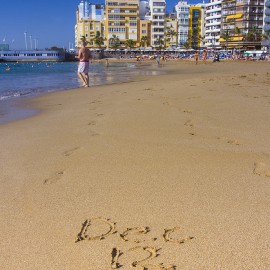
[[216, 24]]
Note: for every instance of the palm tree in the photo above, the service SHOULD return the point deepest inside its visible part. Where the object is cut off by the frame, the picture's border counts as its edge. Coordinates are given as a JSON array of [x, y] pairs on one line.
[[171, 33], [254, 34], [227, 37], [99, 40], [195, 38], [266, 39], [266, 35], [144, 41], [237, 31], [83, 40], [160, 43], [130, 43], [114, 42], [186, 45]]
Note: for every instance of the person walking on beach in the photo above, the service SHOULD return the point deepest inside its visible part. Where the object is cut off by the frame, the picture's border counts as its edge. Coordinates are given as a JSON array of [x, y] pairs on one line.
[[83, 68], [204, 56], [196, 57], [158, 59]]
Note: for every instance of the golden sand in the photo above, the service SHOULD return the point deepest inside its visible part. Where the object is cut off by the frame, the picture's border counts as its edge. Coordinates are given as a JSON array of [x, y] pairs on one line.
[[164, 172]]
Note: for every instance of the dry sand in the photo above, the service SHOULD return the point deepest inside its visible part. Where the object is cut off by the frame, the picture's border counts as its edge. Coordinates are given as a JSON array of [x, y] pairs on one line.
[[182, 160]]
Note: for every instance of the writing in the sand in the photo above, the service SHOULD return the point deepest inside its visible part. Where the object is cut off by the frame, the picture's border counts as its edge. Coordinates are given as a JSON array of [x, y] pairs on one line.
[[137, 235]]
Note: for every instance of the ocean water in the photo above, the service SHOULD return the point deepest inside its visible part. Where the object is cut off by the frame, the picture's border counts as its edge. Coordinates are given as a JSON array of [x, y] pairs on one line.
[[26, 79]]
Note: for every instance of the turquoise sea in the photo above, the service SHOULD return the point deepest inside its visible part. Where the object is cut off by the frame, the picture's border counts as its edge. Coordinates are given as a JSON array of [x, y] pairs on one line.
[[27, 79]]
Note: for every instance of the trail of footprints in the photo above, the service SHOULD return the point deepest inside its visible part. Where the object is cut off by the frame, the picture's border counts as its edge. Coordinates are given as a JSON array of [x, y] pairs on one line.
[[132, 235], [261, 169]]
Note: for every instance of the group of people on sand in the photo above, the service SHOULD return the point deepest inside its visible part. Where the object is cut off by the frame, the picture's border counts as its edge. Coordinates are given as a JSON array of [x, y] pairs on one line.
[[196, 56], [205, 56]]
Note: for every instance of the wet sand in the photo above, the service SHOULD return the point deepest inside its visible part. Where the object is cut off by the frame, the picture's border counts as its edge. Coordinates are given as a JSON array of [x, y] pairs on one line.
[[164, 172]]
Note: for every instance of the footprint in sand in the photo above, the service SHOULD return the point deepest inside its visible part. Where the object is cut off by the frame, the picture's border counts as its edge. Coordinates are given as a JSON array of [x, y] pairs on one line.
[[233, 141], [69, 152], [57, 176], [94, 101], [92, 123], [229, 141], [189, 123], [194, 97], [186, 111], [261, 169]]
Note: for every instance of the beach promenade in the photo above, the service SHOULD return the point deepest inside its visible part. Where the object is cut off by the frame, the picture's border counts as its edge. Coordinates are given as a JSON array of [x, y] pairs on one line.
[[163, 172]]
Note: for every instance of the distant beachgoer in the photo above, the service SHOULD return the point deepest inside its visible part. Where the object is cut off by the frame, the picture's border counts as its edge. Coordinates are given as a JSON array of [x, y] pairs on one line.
[[83, 68], [107, 62], [158, 59], [8, 68], [216, 58], [196, 57], [204, 56]]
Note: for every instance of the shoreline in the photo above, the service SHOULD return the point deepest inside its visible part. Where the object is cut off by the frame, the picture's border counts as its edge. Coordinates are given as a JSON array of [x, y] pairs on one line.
[[15, 108], [181, 159]]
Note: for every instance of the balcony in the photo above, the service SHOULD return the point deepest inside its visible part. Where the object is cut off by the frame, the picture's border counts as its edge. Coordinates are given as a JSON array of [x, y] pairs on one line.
[[267, 19], [267, 3], [267, 27], [267, 11]]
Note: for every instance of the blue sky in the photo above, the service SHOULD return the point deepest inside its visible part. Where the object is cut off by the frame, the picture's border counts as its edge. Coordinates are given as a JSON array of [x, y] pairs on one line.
[[50, 22]]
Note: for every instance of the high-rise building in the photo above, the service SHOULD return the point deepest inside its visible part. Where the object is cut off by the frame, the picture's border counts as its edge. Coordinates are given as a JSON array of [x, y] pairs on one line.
[[89, 21], [171, 30], [267, 16], [122, 19], [157, 17], [182, 13], [242, 23], [213, 23], [195, 26]]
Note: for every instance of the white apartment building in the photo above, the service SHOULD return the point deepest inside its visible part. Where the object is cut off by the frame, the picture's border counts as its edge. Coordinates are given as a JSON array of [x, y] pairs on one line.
[[157, 16], [213, 23], [267, 16], [182, 11]]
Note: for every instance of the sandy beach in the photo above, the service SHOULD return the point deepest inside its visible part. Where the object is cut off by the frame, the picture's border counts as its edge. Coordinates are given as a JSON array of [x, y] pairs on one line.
[[163, 172]]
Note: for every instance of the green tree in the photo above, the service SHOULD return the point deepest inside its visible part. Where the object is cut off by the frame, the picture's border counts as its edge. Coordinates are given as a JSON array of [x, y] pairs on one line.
[[144, 41], [237, 31], [130, 43], [186, 45], [160, 43], [266, 35], [227, 37], [195, 38], [83, 39], [254, 34], [114, 42], [171, 33], [99, 40]]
